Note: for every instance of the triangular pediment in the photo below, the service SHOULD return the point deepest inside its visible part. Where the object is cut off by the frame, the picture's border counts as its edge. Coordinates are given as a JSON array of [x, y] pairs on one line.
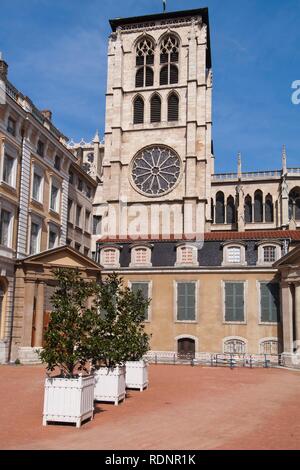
[[290, 259], [64, 256]]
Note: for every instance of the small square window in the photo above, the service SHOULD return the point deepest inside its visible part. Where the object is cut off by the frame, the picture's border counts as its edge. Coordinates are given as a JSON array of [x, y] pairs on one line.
[[109, 257], [269, 254], [234, 255]]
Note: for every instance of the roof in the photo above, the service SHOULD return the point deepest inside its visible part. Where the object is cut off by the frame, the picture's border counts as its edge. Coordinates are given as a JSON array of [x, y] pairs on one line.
[[218, 236], [117, 22], [289, 258]]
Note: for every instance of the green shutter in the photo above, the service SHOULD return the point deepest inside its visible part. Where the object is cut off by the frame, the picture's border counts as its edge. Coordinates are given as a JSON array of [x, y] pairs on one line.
[[234, 302], [142, 287], [270, 302], [186, 301]]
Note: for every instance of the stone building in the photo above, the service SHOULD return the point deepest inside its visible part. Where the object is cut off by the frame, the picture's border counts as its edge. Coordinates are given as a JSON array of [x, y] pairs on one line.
[[35, 167], [206, 248]]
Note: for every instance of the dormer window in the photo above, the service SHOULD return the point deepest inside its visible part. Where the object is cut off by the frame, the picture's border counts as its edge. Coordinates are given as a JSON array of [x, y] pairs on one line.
[[187, 255], [110, 257], [268, 253], [234, 254], [141, 256]]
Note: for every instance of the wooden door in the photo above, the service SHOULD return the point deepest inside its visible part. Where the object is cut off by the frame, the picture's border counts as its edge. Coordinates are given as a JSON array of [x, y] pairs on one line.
[[186, 348]]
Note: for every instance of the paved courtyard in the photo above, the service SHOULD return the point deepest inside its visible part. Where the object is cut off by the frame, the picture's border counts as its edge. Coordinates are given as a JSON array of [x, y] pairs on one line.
[[184, 408]]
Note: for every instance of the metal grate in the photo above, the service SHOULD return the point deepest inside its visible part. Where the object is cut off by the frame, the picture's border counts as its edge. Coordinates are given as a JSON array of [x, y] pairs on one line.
[[155, 109], [173, 107], [138, 113]]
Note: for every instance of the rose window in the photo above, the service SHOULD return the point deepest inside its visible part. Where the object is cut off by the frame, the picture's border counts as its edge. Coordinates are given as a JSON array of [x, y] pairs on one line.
[[156, 170]]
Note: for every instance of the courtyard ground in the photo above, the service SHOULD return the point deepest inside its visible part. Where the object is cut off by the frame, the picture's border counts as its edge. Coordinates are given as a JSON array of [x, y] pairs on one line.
[[185, 408]]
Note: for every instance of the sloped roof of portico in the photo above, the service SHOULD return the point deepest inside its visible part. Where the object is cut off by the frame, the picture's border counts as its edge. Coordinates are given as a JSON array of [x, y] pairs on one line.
[[290, 259], [63, 256]]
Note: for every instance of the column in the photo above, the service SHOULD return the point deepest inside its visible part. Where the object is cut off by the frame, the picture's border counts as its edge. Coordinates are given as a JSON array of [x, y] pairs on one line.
[[39, 318], [297, 316], [287, 317], [28, 313]]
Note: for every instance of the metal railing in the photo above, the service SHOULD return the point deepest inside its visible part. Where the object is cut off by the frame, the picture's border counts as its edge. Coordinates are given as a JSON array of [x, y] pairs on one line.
[[217, 360]]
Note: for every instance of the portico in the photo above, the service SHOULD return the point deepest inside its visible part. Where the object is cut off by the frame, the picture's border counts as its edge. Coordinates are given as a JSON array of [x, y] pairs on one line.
[[289, 268]]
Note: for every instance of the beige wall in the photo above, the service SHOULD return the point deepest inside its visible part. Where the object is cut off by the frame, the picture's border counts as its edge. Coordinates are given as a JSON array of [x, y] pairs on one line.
[[209, 329]]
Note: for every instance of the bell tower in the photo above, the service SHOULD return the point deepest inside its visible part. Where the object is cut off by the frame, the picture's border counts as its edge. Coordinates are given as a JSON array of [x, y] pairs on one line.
[[158, 132]]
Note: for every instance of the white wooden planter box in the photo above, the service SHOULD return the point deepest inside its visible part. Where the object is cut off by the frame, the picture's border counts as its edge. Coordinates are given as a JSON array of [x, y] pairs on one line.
[[110, 384], [69, 400], [137, 375]]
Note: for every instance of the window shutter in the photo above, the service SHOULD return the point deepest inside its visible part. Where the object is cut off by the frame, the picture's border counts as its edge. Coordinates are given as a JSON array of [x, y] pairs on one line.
[[234, 302], [139, 60], [150, 59], [155, 109], [174, 56], [270, 302], [138, 115], [164, 75], [139, 78], [186, 301], [173, 105], [164, 58], [173, 74], [149, 76], [143, 287]]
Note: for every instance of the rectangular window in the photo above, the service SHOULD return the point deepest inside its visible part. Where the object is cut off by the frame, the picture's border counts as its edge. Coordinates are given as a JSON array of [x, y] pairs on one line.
[[77, 246], [5, 228], [71, 177], [70, 205], [8, 170], [86, 252], [37, 187], [40, 148], [80, 185], [234, 302], [269, 254], [11, 126], [269, 302], [186, 301], [78, 216], [57, 163], [53, 238], [97, 224], [88, 192], [234, 255], [54, 198], [143, 287], [34, 238], [87, 221]]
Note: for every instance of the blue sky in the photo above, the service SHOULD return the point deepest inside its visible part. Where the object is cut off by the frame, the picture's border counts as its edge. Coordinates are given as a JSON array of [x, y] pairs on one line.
[[56, 50]]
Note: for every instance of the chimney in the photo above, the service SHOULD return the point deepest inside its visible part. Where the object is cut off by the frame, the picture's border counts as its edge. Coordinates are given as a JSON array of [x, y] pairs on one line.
[[3, 68], [47, 114]]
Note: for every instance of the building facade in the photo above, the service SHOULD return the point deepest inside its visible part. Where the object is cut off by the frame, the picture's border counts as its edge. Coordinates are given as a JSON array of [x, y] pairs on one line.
[[35, 193], [203, 246]]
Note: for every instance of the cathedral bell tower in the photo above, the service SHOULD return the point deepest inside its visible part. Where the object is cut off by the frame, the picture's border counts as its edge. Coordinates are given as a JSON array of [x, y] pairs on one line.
[[158, 150]]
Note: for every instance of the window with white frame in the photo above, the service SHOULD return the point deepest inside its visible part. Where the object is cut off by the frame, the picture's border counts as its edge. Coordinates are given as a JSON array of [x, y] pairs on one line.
[[269, 302], [35, 237], [270, 346], [53, 237], [234, 254], [6, 222], [9, 170], [187, 255], [234, 346], [141, 256], [110, 257], [143, 288], [186, 301], [37, 184], [268, 253], [54, 196]]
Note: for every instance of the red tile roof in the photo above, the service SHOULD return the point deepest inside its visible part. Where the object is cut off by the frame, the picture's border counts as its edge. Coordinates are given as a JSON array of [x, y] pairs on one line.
[[216, 236]]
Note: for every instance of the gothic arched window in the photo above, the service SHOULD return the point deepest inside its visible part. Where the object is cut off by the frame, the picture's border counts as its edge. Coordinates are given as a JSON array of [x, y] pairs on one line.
[[144, 59], [248, 210], [173, 107], [258, 206], [294, 204], [155, 105], [220, 208], [138, 110], [169, 56], [269, 209], [230, 210]]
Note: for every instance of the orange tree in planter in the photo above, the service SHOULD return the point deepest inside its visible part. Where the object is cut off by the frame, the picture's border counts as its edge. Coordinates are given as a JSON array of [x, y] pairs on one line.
[[119, 334], [68, 336]]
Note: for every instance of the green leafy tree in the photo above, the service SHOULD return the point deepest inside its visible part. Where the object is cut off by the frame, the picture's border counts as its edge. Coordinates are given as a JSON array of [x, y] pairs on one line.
[[119, 335], [71, 325]]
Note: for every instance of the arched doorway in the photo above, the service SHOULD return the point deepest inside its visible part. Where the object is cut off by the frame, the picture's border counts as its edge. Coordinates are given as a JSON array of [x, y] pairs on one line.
[[186, 348]]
